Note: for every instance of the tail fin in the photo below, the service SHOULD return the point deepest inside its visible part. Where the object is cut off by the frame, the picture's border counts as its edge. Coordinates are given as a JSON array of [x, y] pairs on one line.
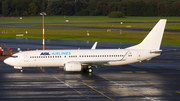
[[153, 39]]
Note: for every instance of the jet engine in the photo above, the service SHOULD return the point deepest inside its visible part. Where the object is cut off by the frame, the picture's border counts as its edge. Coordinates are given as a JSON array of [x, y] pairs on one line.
[[72, 66]]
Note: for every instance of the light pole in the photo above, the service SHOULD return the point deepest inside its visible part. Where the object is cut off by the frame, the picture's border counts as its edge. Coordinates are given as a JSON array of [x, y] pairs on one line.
[[43, 13]]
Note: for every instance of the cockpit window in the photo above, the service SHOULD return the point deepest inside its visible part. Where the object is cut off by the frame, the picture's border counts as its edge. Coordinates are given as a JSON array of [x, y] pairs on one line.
[[14, 56]]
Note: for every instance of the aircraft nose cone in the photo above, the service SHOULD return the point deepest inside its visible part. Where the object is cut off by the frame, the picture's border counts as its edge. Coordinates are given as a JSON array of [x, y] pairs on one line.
[[7, 61]]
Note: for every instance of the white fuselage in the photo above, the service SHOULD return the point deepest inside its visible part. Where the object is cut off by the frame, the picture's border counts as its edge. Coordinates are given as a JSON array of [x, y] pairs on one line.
[[57, 58]]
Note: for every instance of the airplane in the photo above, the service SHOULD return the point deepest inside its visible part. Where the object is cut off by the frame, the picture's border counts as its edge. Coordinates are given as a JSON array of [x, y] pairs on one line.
[[84, 59]]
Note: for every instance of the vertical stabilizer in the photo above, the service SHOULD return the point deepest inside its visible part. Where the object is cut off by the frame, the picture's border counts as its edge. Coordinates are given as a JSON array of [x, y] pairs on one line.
[[154, 38]]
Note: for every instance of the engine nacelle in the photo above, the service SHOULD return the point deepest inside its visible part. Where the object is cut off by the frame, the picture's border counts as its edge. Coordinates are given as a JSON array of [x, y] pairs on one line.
[[72, 66]]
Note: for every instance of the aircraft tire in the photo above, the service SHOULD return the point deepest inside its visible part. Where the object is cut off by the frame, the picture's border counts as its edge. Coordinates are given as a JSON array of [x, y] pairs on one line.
[[90, 70], [21, 70]]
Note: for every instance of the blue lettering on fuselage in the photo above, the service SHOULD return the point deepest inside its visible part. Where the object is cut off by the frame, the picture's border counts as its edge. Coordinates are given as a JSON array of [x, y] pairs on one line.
[[45, 53], [56, 53], [61, 53]]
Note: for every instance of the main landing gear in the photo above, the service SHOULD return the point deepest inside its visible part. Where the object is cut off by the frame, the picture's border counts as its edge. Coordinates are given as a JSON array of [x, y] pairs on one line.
[[88, 69]]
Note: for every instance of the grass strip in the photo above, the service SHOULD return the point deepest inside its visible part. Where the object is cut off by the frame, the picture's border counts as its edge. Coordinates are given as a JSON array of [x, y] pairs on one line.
[[81, 34], [83, 19]]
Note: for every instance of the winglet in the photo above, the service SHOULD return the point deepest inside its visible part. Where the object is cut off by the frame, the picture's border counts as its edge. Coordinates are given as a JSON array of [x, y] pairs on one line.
[[94, 46], [126, 56]]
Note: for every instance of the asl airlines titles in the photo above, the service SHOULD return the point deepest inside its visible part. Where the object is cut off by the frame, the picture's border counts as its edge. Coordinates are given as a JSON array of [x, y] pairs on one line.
[[56, 53]]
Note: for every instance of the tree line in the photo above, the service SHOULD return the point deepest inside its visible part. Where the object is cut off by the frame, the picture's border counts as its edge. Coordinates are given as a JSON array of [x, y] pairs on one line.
[[90, 7]]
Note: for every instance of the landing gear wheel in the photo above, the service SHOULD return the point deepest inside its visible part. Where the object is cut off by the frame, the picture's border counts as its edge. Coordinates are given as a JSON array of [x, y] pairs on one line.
[[90, 70], [21, 70], [87, 70]]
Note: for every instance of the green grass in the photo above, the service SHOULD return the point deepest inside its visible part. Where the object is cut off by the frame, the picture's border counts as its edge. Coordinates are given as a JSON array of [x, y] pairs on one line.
[[82, 19], [95, 35], [80, 34]]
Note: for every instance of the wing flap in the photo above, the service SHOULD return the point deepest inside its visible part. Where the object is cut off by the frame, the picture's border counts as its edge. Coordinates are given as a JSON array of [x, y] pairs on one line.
[[96, 62]]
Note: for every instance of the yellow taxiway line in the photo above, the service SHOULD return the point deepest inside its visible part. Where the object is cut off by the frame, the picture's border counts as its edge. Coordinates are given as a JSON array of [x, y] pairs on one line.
[[98, 91]]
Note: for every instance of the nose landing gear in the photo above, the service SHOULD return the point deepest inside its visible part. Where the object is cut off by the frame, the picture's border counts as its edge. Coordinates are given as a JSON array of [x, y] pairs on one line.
[[21, 70]]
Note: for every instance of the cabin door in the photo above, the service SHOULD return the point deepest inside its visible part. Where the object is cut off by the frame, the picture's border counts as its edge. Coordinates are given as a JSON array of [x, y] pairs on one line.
[[138, 55], [26, 57]]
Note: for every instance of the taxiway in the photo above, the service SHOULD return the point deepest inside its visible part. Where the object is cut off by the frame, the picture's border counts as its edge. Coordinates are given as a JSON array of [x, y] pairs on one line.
[[157, 79]]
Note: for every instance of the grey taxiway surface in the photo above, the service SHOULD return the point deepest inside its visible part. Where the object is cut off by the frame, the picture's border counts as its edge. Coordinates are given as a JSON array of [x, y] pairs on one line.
[[157, 79], [28, 24]]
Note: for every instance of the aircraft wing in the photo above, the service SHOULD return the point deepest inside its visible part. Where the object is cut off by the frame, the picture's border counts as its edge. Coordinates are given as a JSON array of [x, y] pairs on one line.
[[95, 63], [105, 62]]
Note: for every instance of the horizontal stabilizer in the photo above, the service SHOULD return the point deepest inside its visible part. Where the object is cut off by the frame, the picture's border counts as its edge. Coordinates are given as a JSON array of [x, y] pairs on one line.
[[160, 51]]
